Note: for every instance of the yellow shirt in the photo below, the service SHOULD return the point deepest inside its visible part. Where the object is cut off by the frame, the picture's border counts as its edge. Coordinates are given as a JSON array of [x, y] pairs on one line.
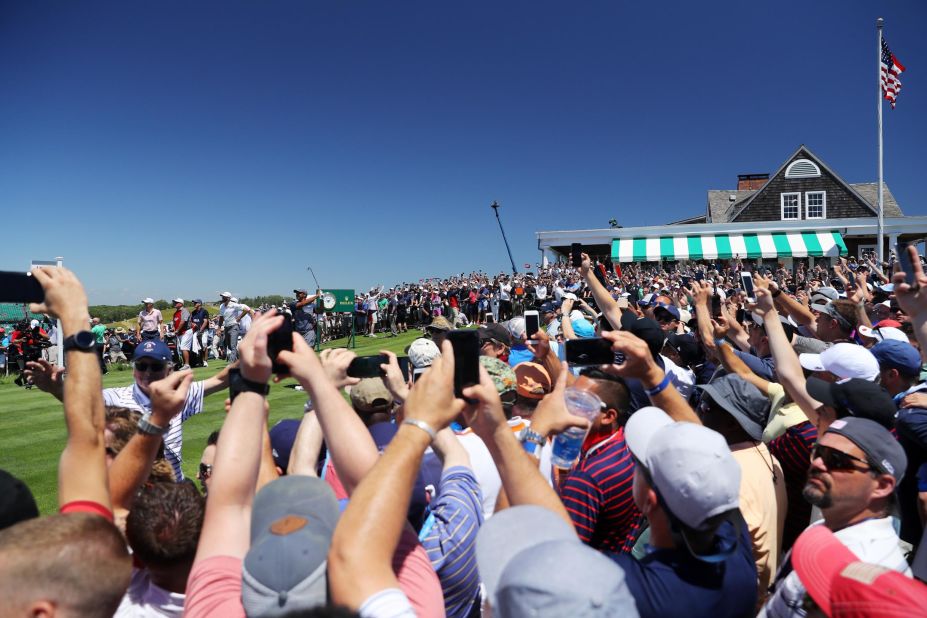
[[763, 503]]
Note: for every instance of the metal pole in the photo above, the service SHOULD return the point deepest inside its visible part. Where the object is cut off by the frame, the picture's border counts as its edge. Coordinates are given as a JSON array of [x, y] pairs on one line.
[[879, 23], [495, 207]]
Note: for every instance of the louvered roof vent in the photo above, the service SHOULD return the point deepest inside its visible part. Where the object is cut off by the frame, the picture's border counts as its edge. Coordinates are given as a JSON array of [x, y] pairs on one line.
[[802, 168]]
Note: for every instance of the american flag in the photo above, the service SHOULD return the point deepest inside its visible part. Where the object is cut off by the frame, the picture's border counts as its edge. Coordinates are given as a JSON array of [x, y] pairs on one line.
[[891, 69]]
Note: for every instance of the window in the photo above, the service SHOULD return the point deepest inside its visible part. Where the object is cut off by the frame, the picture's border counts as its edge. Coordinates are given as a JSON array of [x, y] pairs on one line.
[[815, 205], [791, 204], [802, 168]]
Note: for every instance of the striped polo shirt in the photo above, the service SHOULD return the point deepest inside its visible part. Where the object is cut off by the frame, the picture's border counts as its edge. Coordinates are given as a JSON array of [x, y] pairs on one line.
[[449, 537], [133, 398], [597, 493], [793, 450]]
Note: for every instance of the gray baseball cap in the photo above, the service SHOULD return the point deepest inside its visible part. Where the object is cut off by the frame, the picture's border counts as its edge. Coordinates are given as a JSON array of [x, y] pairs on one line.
[[517, 550], [292, 522], [881, 448], [742, 400]]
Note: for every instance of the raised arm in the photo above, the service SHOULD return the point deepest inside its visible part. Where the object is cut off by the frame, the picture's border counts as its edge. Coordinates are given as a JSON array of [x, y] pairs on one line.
[[913, 298], [218, 382], [731, 361], [306, 446], [82, 469], [565, 323], [226, 525]]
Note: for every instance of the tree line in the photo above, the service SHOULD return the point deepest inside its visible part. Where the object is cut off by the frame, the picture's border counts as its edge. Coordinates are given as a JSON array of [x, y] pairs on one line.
[[118, 313]]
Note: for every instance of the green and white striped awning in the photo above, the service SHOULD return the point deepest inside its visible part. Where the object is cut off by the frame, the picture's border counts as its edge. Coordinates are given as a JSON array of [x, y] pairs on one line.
[[726, 246]]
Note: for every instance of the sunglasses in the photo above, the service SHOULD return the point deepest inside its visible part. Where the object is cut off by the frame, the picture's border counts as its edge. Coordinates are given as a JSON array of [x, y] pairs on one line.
[[205, 471], [838, 460], [152, 367]]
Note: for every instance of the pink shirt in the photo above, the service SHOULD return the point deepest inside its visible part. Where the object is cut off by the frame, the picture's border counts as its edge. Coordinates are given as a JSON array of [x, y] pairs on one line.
[[417, 578], [150, 321], [214, 588]]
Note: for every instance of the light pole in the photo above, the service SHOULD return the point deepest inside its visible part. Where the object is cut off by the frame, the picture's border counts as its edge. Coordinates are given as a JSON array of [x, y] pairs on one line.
[[495, 208]]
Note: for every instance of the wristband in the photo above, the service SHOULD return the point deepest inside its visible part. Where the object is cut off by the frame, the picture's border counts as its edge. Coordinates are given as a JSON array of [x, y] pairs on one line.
[[659, 388], [421, 425], [243, 384], [776, 293], [148, 428]]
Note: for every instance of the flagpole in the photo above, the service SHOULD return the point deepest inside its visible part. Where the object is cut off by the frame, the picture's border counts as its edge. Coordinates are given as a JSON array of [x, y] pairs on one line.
[[879, 24]]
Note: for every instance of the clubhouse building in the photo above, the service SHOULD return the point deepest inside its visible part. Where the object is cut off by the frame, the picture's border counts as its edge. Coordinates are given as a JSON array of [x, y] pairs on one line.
[[803, 211]]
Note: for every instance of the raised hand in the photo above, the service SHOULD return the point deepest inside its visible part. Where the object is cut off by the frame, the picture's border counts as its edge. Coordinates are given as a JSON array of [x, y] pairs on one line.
[[252, 351], [45, 376], [432, 399], [551, 415], [912, 298], [168, 396], [65, 298], [392, 376], [335, 362]]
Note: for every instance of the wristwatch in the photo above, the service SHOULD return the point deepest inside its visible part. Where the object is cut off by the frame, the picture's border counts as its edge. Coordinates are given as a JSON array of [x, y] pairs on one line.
[[532, 442], [241, 384], [148, 428], [83, 341]]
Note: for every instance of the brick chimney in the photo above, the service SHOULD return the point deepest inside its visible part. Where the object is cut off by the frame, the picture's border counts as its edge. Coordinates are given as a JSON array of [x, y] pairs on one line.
[[749, 182]]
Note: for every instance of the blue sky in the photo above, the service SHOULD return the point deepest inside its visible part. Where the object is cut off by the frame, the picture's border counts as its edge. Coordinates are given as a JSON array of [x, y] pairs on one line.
[[184, 148]]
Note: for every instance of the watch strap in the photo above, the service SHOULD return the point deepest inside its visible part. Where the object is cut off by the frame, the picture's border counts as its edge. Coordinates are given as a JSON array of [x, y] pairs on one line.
[[147, 427], [244, 384], [70, 342]]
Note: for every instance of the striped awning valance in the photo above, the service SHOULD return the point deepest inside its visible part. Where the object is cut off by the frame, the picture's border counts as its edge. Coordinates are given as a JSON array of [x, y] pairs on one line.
[[726, 246]]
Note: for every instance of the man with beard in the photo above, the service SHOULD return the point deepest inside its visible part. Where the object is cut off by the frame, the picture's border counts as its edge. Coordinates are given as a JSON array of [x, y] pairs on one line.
[[855, 467]]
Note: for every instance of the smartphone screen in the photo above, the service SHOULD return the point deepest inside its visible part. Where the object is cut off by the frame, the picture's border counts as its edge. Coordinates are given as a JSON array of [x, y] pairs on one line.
[[685, 281], [589, 351], [279, 340], [404, 366], [699, 275], [576, 252], [466, 344], [20, 287], [746, 279], [716, 306], [368, 366], [532, 324], [741, 316], [901, 250]]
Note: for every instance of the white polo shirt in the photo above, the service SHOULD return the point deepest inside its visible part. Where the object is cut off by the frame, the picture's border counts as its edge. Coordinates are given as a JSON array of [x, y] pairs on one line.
[[230, 312]]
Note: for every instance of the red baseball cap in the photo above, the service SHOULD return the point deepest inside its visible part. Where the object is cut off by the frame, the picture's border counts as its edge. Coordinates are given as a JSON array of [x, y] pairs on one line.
[[892, 323], [844, 587]]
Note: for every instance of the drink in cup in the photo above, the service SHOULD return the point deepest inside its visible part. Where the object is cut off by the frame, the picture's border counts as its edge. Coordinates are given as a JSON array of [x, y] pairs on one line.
[[566, 446]]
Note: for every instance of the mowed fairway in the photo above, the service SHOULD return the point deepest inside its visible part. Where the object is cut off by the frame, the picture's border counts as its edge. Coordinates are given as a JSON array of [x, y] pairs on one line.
[[32, 430]]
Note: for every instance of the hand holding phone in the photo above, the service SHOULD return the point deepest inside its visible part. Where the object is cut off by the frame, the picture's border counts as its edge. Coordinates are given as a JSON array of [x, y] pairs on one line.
[[368, 366], [532, 324], [20, 288], [576, 254], [907, 266], [279, 340], [466, 345], [746, 279], [589, 351]]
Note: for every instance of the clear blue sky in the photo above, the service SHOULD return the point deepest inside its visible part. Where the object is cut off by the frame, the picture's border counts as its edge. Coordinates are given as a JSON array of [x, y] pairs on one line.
[[184, 148]]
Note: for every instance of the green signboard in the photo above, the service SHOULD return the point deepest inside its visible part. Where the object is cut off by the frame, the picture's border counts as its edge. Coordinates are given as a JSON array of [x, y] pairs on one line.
[[343, 300]]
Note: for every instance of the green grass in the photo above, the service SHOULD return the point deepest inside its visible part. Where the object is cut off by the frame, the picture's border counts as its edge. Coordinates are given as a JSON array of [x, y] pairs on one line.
[[32, 430]]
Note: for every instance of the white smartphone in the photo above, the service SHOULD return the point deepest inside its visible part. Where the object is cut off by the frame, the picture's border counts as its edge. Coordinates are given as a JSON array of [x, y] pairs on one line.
[[532, 324], [746, 278]]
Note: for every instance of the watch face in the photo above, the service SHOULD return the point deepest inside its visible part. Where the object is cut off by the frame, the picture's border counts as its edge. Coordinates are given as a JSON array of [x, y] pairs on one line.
[[84, 339], [328, 300]]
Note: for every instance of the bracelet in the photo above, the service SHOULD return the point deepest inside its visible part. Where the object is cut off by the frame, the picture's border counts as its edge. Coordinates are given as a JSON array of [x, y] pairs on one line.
[[659, 388], [421, 425], [150, 429]]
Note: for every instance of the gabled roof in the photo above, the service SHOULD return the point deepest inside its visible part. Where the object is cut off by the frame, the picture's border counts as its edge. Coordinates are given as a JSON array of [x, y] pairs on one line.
[[720, 205], [869, 191], [740, 207]]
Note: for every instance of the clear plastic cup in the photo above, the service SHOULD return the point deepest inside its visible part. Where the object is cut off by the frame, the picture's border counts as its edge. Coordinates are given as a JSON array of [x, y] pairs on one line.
[[566, 446]]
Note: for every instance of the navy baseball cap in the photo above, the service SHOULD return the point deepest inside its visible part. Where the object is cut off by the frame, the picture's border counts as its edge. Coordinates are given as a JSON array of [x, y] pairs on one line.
[[197, 301], [894, 354], [153, 348], [881, 448], [282, 438], [670, 309]]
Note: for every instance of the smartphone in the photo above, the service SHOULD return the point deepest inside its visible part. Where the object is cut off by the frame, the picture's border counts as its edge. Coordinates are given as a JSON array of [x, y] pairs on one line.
[[576, 251], [590, 351], [699, 275], [604, 324], [490, 319], [741, 316], [234, 372], [417, 373], [901, 250], [466, 344], [279, 340], [685, 281], [746, 279], [20, 287], [715, 306], [532, 324], [368, 366], [404, 366]]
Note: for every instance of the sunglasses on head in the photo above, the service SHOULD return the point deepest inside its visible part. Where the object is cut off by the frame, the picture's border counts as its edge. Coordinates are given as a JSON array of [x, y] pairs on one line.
[[838, 460], [205, 471], [152, 367]]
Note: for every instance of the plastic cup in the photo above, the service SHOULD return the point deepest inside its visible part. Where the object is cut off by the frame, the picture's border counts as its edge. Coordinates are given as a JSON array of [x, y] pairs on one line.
[[567, 446]]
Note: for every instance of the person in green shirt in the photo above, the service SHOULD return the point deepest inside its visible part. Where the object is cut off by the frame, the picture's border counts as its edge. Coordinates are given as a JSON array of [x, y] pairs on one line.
[[99, 331]]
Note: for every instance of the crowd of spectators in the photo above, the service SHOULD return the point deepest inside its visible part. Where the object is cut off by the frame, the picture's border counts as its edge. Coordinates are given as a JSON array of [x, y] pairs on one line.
[[759, 449]]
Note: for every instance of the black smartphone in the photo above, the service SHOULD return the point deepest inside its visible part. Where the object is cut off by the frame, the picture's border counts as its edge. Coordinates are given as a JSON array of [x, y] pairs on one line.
[[746, 279], [716, 306], [532, 324], [279, 340], [404, 366], [20, 287], [576, 253], [685, 281], [741, 316], [589, 351], [234, 372], [368, 366], [466, 344], [699, 275], [901, 250], [604, 324]]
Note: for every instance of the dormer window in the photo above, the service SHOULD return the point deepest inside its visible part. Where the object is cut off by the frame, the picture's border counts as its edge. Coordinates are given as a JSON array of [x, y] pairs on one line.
[[802, 168], [791, 206]]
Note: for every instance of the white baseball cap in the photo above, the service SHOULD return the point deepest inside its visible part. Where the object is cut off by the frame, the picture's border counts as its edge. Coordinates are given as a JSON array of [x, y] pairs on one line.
[[147, 300], [844, 360], [225, 295], [422, 352], [177, 300], [883, 333]]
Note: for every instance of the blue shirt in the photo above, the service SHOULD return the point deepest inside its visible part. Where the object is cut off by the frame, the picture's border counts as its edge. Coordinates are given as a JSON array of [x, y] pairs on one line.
[[670, 582], [449, 537], [520, 354]]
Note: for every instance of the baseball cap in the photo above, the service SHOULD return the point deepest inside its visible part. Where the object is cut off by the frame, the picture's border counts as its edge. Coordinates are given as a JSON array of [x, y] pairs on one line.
[[884, 323], [823, 295], [16, 501], [582, 327], [883, 333], [882, 449], [33, 323], [646, 329], [844, 360], [517, 328], [517, 550], [900, 355], [439, 323], [742, 400], [282, 437], [422, 352], [829, 309], [843, 586], [670, 309], [371, 395], [688, 348], [855, 397], [147, 300], [532, 380], [300, 291], [496, 332], [225, 295], [153, 348], [692, 470], [197, 301], [292, 522], [503, 376], [648, 300], [177, 300]]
